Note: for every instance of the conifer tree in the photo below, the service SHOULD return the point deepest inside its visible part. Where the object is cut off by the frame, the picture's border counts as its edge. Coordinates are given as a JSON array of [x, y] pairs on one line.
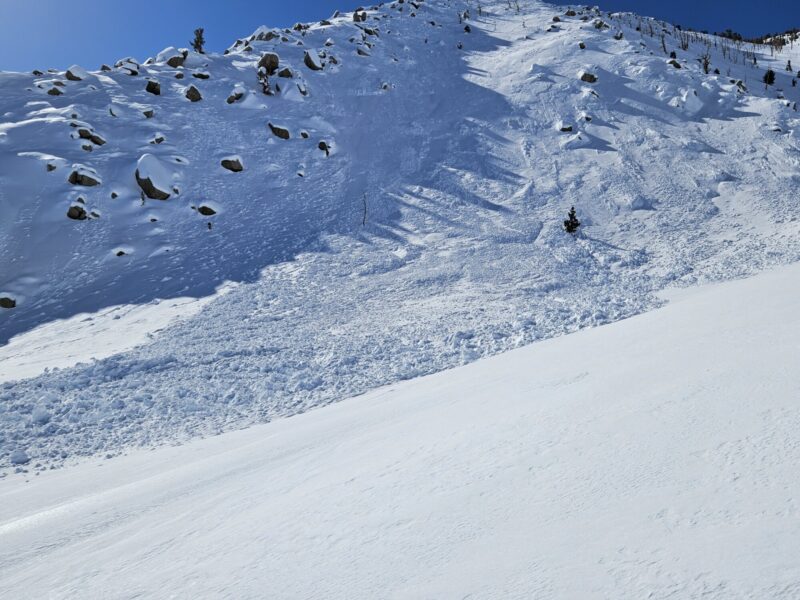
[[199, 41], [572, 223]]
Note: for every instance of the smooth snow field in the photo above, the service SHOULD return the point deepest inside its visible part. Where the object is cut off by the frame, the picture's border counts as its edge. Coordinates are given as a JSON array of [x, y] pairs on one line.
[[653, 458]]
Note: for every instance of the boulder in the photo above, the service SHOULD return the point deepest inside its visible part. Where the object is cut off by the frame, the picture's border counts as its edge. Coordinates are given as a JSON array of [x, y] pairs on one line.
[[173, 57], [193, 94], [90, 135], [311, 60], [232, 163], [235, 96], [323, 145], [153, 87], [77, 213], [285, 72], [76, 73], [675, 64], [6, 302], [269, 61], [54, 91], [82, 175], [153, 178], [201, 75], [206, 211], [149, 113], [589, 78], [280, 132]]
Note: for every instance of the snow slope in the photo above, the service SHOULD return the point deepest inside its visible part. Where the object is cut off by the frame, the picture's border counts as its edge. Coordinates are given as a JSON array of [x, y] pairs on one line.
[[651, 458], [430, 235]]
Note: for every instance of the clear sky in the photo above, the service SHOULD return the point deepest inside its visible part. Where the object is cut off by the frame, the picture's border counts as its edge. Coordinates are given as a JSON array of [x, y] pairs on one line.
[[57, 33]]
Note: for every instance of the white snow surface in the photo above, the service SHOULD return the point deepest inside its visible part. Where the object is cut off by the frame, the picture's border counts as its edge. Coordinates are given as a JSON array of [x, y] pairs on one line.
[[651, 458], [430, 237]]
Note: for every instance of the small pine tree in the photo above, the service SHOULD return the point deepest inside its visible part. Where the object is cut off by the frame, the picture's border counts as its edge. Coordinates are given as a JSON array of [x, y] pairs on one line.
[[769, 77], [199, 41], [571, 224]]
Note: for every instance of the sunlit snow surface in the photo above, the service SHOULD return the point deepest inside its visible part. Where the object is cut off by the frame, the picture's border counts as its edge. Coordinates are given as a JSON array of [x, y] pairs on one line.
[[651, 458], [430, 237]]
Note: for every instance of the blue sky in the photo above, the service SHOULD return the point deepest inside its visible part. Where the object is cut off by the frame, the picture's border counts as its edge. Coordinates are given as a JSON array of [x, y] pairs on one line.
[[58, 33]]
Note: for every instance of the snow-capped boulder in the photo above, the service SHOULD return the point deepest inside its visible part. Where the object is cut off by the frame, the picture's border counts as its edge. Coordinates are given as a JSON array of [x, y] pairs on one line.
[[286, 72], [312, 61], [172, 57], [7, 302], [76, 213], [236, 95], [76, 73], [280, 132], [269, 61], [193, 94], [233, 163], [206, 210], [83, 175], [153, 177]]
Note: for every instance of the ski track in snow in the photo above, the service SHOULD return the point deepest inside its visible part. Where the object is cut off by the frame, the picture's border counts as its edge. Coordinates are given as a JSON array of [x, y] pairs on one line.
[[678, 178]]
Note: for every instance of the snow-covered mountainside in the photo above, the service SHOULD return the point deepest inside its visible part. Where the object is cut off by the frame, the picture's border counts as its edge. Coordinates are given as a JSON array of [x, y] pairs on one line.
[[652, 458], [392, 209]]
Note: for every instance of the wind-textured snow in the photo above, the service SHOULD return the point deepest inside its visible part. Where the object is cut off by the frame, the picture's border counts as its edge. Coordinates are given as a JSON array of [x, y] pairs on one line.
[[652, 458], [429, 235]]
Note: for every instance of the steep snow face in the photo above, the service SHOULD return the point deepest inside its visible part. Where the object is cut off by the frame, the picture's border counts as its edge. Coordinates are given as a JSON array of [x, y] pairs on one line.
[[652, 458], [399, 209]]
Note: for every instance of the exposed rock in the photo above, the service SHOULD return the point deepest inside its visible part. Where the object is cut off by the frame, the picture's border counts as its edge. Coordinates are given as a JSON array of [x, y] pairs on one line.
[[105, 68], [206, 211], [37, 73], [311, 60], [235, 97], [77, 213], [675, 64], [566, 129], [201, 75], [269, 61], [232, 163], [153, 87], [193, 94], [54, 91], [581, 45], [81, 175], [172, 57], [159, 139], [280, 132], [323, 145], [120, 253], [304, 135], [589, 78], [149, 113], [286, 72], [51, 167], [179, 75], [6, 302], [93, 137], [75, 73]]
